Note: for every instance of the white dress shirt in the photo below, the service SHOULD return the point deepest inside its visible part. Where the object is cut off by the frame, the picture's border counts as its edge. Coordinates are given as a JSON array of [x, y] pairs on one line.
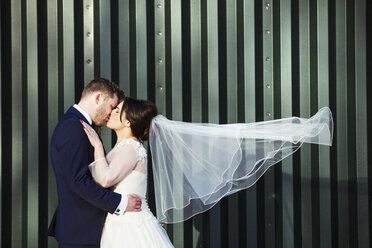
[[124, 199]]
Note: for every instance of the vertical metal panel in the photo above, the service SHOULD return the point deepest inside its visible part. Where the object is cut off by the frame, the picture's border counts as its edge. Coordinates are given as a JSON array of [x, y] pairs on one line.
[[1, 126], [124, 63], [88, 13], [361, 124], [351, 106], [68, 53], [342, 123], [32, 127], [17, 125], [104, 39], [286, 65], [304, 81], [249, 61], [231, 62], [141, 46], [268, 84], [205, 65], [1, 121], [176, 103], [176, 59], [232, 109], [286, 111], [314, 183], [160, 78], [160, 56], [53, 100], [323, 100], [250, 111], [196, 95], [6, 162], [268, 78], [211, 49], [196, 66], [105, 52]]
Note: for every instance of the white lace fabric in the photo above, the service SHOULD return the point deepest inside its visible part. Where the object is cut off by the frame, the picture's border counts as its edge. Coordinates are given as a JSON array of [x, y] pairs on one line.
[[127, 155]]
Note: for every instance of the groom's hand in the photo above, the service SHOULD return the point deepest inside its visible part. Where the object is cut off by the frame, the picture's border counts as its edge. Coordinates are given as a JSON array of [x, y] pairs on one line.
[[134, 203]]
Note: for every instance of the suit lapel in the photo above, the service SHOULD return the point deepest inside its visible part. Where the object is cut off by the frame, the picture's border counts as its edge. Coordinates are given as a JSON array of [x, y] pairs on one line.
[[76, 113], [79, 115]]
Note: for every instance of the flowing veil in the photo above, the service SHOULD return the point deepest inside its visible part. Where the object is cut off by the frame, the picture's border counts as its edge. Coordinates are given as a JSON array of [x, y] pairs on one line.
[[197, 164]]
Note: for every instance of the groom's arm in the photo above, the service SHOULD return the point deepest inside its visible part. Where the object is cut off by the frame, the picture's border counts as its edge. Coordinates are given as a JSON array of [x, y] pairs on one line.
[[73, 153]]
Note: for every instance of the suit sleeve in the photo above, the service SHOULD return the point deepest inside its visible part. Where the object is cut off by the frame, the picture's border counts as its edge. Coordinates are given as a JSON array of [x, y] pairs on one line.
[[73, 153]]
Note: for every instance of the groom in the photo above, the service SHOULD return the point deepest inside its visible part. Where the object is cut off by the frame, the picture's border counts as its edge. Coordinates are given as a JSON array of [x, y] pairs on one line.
[[83, 204]]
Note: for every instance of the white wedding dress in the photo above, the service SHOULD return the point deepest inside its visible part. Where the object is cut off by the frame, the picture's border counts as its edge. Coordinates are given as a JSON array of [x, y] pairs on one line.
[[125, 170]]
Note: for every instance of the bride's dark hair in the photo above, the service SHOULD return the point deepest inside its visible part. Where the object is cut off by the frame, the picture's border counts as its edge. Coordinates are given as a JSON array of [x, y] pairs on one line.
[[139, 113]]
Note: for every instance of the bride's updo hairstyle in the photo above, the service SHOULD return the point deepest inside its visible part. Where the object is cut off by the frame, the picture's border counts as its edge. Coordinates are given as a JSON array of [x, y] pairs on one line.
[[139, 113]]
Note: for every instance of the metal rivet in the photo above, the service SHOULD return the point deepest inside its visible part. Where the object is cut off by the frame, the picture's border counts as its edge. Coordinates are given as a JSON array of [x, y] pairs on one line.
[[160, 87], [159, 6], [89, 34], [160, 33], [268, 59], [88, 6], [160, 61], [268, 86], [267, 5], [267, 31], [89, 61], [268, 113]]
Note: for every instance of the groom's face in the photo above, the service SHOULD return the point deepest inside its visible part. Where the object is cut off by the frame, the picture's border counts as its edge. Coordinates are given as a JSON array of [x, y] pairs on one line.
[[104, 109]]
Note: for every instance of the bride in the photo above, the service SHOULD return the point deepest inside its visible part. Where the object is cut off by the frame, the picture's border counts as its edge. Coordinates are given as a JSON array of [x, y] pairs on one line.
[[124, 170], [195, 165]]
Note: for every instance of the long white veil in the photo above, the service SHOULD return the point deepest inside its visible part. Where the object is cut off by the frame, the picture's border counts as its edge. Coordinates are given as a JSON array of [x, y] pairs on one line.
[[196, 164]]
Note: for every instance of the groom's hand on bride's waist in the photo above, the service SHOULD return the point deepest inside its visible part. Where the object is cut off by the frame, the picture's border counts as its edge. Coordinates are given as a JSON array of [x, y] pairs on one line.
[[134, 203]]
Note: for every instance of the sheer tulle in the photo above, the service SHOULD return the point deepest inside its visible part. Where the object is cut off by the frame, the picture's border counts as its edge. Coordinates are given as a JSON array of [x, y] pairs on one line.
[[196, 164]]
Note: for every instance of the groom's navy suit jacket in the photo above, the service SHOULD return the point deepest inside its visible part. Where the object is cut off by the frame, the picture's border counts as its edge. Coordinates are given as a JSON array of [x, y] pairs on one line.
[[82, 204]]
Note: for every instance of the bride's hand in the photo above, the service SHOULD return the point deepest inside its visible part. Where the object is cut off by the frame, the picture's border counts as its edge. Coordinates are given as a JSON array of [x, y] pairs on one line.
[[92, 135]]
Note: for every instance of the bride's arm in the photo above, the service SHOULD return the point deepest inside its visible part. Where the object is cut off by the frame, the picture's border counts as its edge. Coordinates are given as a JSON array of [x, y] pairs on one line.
[[123, 161]]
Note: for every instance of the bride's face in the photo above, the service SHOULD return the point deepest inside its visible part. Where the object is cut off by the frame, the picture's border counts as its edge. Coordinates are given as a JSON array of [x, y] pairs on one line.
[[114, 121]]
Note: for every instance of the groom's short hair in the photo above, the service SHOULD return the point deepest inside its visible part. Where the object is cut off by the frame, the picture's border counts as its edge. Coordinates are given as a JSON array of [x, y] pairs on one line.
[[104, 85]]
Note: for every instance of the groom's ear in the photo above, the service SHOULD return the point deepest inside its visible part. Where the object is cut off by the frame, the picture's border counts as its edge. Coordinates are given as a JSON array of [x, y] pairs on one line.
[[97, 97]]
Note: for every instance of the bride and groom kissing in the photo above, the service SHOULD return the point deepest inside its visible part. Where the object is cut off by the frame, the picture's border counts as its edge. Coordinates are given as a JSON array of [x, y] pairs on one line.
[[102, 197], [91, 183]]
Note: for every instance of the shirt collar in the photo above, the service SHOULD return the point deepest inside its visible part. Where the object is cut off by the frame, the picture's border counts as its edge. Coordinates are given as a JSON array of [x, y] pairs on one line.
[[86, 115]]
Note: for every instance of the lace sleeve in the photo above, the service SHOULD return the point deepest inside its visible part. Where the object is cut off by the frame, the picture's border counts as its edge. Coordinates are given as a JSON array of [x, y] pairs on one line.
[[108, 174]]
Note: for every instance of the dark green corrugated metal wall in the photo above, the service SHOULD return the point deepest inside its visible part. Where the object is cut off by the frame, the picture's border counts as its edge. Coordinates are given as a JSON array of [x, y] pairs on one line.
[[220, 61]]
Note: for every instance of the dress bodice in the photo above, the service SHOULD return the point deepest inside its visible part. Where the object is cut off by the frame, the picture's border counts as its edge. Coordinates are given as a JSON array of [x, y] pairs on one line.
[[132, 229], [136, 181]]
